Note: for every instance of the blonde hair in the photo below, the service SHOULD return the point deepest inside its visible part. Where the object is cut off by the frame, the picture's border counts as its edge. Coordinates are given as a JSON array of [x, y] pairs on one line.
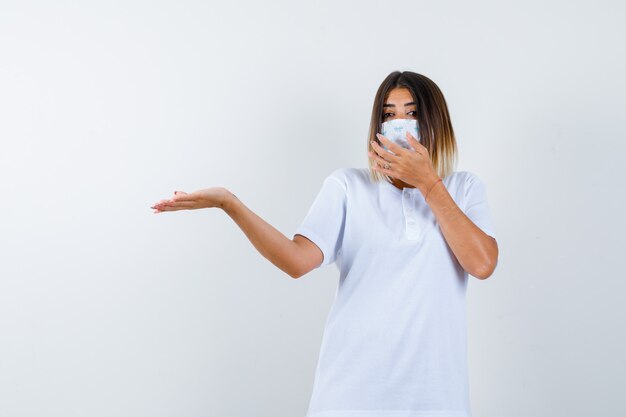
[[435, 127]]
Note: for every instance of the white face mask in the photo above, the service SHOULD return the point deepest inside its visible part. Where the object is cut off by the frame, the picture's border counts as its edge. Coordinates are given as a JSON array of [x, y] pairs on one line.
[[395, 130]]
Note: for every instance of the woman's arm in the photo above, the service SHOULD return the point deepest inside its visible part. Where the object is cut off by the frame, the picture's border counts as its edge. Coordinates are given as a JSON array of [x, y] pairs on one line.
[[476, 251], [294, 257]]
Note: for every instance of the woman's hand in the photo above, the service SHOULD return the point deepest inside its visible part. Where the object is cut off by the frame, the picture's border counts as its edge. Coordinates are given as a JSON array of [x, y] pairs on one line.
[[413, 166], [210, 197]]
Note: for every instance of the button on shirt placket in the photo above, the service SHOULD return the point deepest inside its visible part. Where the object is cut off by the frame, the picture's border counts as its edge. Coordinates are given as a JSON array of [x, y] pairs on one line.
[[410, 218]]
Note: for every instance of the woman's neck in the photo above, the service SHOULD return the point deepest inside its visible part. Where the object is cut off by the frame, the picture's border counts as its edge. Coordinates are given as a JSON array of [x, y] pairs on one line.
[[400, 184]]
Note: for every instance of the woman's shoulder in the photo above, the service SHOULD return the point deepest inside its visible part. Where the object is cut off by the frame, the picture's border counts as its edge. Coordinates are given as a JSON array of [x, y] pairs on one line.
[[350, 175], [462, 185], [461, 178]]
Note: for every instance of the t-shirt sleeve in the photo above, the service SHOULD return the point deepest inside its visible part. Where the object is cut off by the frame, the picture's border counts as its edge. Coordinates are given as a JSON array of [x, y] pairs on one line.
[[324, 223], [476, 206]]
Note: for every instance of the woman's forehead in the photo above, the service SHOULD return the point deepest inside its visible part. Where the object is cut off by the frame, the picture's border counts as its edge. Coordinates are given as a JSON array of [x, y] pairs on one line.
[[399, 94]]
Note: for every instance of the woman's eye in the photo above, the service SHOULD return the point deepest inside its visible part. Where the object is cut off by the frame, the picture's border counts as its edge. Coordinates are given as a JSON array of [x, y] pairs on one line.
[[391, 114]]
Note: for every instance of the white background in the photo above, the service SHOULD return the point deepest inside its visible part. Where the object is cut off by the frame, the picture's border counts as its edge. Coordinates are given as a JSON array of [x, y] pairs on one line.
[[107, 309]]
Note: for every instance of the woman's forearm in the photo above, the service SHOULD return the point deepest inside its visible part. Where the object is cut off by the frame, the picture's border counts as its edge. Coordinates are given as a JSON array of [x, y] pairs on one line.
[[476, 251], [270, 242]]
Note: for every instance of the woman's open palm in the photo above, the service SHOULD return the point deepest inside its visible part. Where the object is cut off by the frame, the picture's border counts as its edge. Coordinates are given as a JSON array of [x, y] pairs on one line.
[[210, 197]]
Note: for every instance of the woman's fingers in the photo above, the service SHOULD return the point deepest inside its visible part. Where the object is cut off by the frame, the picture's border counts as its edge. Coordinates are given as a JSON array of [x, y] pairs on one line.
[[155, 205], [380, 161], [176, 205], [164, 203], [184, 197], [210, 197], [178, 196]]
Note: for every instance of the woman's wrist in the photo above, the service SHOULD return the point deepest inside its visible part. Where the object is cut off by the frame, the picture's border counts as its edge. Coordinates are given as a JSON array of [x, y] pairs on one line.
[[431, 188], [428, 185], [228, 200]]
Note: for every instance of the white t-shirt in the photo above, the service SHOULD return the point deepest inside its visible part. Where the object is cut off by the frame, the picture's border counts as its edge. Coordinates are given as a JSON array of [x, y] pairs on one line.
[[395, 337]]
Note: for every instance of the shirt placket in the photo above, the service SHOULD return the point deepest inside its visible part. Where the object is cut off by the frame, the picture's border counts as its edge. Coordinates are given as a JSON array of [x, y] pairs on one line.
[[411, 225]]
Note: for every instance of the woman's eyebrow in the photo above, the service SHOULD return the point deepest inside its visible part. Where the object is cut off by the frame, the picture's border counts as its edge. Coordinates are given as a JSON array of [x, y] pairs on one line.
[[405, 104]]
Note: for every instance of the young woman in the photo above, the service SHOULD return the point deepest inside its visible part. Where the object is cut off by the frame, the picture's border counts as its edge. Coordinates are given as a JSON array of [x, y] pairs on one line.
[[405, 234]]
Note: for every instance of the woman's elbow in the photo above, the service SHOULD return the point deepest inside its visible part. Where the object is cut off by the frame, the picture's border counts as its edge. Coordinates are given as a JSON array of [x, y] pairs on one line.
[[488, 266], [484, 269]]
